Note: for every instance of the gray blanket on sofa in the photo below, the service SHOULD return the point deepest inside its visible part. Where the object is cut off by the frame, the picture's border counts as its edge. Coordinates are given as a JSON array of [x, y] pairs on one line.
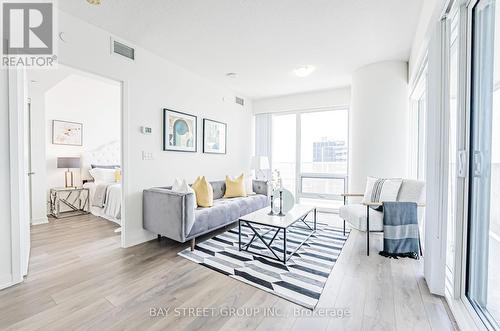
[[401, 233]]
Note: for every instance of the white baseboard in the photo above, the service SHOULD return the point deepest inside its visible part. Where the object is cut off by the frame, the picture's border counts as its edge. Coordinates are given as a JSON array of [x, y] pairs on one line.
[[39, 220], [5, 281]]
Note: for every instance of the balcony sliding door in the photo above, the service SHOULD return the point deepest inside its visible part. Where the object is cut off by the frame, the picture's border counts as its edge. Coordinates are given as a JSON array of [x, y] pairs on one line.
[[483, 267]]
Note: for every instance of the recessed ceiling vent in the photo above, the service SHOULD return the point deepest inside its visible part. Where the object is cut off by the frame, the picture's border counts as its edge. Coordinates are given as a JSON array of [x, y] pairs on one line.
[[122, 49], [239, 101]]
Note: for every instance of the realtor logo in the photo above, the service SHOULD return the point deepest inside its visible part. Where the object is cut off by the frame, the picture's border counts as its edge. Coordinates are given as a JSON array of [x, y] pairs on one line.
[[28, 34]]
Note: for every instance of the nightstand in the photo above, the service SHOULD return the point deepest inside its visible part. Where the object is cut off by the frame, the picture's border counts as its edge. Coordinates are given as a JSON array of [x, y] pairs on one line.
[[74, 200]]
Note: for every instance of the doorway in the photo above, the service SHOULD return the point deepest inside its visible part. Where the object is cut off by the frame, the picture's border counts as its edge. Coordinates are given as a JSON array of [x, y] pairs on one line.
[[72, 149]]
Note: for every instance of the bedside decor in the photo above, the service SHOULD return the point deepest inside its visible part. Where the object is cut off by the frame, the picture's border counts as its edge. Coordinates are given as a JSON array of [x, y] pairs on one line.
[[214, 137], [67, 133], [68, 163], [179, 131], [75, 201]]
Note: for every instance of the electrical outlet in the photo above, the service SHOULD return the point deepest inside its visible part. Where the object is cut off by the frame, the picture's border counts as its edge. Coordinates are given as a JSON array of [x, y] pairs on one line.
[[147, 156]]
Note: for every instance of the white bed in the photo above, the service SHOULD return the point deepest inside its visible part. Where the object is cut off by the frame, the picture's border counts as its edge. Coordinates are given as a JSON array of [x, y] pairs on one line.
[[106, 155]]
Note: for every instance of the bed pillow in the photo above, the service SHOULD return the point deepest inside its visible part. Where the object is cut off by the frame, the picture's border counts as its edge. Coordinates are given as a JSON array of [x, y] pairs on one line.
[[235, 187], [103, 175], [381, 189]]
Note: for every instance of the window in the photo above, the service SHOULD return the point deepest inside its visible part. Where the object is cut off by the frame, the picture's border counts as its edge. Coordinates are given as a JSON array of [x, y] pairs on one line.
[[283, 152], [310, 149], [417, 125], [483, 269]]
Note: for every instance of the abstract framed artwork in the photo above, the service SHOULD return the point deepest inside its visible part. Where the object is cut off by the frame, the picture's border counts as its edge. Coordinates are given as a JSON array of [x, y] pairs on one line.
[[179, 131], [67, 133], [214, 137]]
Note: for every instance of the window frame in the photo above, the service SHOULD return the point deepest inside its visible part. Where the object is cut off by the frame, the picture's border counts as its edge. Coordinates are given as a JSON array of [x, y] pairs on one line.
[[299, 175]]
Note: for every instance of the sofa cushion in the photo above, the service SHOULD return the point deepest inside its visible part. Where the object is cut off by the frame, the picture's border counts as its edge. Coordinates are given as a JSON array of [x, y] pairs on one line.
[[225, 211], [204, 192], [235, 187], [355, 214], [219, 188]]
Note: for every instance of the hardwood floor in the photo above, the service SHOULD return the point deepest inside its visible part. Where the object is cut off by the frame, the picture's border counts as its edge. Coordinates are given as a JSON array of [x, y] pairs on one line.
[[80, 278]]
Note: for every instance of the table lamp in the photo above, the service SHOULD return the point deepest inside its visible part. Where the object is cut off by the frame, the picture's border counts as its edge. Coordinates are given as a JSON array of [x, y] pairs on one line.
[[68, 163]]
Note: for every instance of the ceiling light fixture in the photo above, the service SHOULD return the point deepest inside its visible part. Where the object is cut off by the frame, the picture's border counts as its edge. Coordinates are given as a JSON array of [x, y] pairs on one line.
[[304, 71], [94, 2], [231, 75]]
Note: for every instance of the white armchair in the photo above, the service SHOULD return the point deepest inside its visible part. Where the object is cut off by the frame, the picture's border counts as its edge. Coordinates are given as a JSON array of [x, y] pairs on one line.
[[360, 216]]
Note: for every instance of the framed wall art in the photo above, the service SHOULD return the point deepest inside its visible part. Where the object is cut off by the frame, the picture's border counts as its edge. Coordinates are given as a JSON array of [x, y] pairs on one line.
[[179, 131], [214, 137], [67, 133]]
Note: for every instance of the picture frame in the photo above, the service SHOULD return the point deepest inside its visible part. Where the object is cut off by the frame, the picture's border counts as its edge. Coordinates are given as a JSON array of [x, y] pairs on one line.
[[180, 131], [214, 137], [67, 133]]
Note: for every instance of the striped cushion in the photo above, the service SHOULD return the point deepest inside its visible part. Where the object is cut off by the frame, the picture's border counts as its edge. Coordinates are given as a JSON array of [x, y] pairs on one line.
[[381, 190]]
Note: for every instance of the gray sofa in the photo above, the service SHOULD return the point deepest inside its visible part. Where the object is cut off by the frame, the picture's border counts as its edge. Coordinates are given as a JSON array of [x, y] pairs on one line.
[[172, 214]]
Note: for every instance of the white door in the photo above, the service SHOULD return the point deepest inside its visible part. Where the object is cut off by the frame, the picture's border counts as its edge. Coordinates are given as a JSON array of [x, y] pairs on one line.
[[25, 230], [19, 161]]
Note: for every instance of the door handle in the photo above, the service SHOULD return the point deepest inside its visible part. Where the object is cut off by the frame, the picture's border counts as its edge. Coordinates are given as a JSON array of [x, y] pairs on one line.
[[461, 164], [31, 173], [477, 163]]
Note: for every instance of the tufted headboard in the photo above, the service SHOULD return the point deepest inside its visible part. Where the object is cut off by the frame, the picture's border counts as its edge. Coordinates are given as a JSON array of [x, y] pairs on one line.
[[108, 154]]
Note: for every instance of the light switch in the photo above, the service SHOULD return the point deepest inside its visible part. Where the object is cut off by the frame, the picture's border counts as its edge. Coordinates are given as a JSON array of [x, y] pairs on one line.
[[147, 156]]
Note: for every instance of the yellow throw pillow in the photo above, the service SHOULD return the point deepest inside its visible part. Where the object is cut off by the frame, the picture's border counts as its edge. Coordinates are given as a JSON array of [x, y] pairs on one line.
[[203, 191], [118, 175], [235, 187]]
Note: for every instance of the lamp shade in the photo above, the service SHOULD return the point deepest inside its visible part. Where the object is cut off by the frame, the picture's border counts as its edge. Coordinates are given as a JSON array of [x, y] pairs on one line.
[[260, 163], [68, 162]]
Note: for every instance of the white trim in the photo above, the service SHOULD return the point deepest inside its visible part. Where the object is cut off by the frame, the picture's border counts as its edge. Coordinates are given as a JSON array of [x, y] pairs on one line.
[[16, 80], [39, 220], [6, 281], [125, 160], [464, 316]]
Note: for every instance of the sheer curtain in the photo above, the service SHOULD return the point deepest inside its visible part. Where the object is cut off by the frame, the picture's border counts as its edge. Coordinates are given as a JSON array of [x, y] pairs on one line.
[[263, 138]]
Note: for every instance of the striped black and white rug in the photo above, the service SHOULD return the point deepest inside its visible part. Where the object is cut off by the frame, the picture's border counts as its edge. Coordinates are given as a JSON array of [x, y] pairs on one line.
[[302, 279]]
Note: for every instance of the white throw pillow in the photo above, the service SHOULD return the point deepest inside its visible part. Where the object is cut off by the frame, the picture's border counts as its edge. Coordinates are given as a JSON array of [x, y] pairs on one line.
[[249, 185], [103, 175], [181, 186], [381, 189]]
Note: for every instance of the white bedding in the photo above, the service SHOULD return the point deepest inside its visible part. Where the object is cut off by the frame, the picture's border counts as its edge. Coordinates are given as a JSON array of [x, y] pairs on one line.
[[112, 207]]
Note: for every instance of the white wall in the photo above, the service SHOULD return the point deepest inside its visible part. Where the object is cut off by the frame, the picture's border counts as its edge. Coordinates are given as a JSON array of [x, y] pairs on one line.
[[5, 221], [378, 123], [94, 103], [152, 83], [303, 101], [429, 15]]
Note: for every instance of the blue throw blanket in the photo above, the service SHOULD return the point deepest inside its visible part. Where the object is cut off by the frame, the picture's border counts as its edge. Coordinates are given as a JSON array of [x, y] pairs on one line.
[[401, 233]]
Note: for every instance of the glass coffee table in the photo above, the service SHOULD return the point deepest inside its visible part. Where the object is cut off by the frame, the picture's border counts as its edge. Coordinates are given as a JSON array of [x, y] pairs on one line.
[[295, 218]]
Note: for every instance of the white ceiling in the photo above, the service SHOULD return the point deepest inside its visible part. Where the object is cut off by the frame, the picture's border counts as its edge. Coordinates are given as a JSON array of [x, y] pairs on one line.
[[262, 40]]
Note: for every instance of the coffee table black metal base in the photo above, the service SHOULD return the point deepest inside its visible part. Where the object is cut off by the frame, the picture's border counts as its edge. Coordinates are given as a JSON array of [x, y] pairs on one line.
[[276, 230]]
